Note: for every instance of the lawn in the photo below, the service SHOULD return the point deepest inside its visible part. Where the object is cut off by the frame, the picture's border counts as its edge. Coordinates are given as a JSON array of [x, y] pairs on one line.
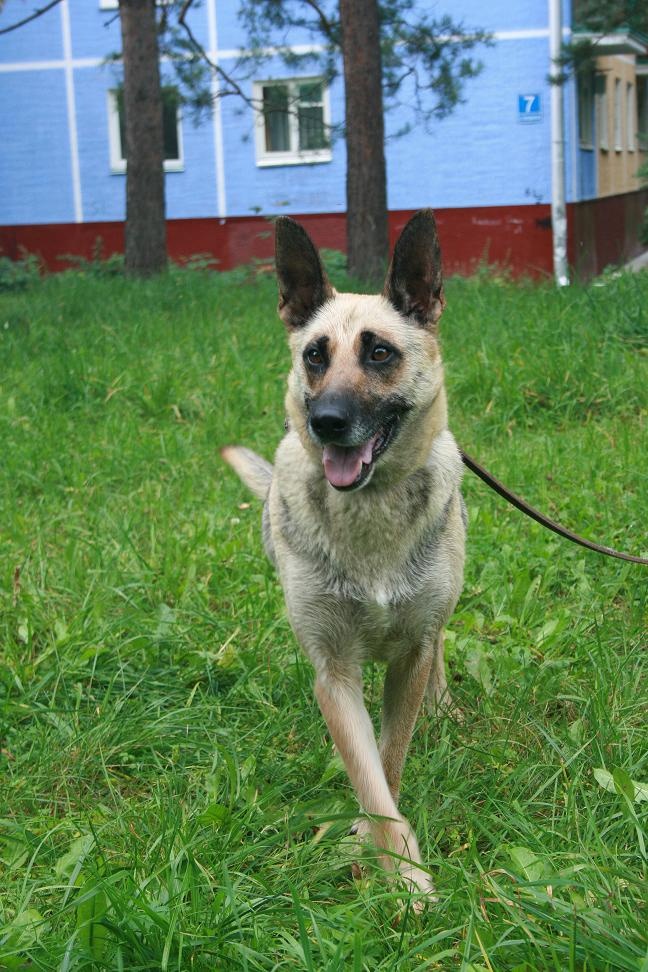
[[169, 797]]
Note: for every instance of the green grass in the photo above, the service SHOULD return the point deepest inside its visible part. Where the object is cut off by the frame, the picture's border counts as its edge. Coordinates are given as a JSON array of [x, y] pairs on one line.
[[163, 766]]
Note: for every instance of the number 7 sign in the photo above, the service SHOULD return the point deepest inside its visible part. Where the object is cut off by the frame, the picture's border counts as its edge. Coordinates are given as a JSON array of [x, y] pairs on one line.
[[529, 107]]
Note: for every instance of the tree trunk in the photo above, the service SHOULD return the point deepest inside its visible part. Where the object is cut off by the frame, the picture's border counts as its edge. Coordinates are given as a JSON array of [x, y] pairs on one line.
[[145, 211], [367, 234]]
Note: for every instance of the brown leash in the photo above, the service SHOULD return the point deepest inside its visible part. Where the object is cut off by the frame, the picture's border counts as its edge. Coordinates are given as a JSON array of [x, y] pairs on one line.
[[522, 505]]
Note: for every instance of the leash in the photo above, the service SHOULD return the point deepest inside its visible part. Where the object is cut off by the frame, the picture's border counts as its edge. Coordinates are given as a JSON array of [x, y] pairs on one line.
[[522, 505]]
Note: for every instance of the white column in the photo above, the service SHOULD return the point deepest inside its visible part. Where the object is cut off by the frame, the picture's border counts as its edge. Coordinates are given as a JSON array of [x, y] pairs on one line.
[[558, 206], [71, 112], [221, 198]]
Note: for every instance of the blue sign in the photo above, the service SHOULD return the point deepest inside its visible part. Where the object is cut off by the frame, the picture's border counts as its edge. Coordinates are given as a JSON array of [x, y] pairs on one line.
[[529, 107]]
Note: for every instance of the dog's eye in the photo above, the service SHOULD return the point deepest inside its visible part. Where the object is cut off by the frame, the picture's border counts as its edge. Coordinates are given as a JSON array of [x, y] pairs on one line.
[[314, 356], [380, 353]]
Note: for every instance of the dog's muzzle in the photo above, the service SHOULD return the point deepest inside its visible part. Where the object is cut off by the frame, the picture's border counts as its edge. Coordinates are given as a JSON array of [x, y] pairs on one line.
[[349, 442]]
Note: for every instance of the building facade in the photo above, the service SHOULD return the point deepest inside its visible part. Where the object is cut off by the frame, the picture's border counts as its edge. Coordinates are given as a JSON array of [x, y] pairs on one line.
[[485, 169]]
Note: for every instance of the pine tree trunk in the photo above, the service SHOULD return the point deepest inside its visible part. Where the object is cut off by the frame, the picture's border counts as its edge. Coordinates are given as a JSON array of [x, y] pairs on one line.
[[145, 210], [367, 234]]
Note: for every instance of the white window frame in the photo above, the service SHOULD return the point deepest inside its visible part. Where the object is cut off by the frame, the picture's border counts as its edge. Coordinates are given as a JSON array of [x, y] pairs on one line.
[[631, 117], [602, 120], [618, 116], [294, 156], [114, 4], [117, 160]]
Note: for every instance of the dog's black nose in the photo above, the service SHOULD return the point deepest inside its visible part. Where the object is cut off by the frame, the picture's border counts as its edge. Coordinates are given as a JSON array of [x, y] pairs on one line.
[[329, 420]]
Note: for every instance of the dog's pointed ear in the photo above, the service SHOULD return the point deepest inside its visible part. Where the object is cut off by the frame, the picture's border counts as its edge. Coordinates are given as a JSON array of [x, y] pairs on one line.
[[414, 283], [303, 284]]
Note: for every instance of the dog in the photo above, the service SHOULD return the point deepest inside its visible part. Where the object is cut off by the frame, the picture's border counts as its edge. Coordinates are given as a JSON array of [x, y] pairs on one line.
[[363, 516]]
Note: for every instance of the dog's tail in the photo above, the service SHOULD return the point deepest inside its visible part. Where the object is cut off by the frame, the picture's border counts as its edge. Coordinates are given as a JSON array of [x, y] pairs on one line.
[[255, 472]]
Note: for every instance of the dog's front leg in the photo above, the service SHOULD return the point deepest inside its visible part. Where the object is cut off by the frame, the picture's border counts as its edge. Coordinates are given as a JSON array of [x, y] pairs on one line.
[[339, 695], [406, 680], [437, 689]]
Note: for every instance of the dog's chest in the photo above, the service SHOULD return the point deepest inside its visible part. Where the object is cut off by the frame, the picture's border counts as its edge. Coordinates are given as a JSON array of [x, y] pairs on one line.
[[385, 631], [375, 550]]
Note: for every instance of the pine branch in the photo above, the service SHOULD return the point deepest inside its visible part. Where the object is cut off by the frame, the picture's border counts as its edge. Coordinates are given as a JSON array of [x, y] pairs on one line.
[[326, 25], [234, 87], [33, 16]]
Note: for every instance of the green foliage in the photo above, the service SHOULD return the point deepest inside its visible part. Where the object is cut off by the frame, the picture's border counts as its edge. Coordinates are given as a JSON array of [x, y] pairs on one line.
[[602, 17], [426, 59], [170, 798], [642, 174], [599, 17], [18, 274], [193, 73], [98, 265]]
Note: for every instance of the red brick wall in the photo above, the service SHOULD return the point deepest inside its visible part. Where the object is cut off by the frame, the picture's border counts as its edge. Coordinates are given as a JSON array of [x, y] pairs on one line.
[[601, 231], [604, 231]]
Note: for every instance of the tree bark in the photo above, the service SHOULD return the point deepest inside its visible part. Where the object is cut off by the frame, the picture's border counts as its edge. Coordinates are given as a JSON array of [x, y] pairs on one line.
[[367, 233], [145, 248]]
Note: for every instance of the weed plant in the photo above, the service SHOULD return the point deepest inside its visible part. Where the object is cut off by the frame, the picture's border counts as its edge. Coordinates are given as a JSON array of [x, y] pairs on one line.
[[169, 796]]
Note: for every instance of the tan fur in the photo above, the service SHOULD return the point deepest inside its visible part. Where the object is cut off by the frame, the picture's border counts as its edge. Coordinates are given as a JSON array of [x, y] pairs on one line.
[[255, 472], [373, 571]]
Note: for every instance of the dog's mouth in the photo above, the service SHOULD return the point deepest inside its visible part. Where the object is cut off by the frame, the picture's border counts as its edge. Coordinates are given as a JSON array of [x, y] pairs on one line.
[[349, 467]]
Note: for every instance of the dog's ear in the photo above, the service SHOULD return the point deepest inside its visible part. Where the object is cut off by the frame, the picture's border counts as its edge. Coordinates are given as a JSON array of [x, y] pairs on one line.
[[414, 283], [303, 284]]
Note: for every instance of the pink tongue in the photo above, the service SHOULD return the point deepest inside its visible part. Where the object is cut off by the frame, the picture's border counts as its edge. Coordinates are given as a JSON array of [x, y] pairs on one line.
[[343, 466]]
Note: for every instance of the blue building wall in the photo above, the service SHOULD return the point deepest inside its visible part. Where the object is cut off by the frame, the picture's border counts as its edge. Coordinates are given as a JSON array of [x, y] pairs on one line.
[[35, 161], [308, 188], [481, 155], [39, 40], [102, 194], [95, 32]]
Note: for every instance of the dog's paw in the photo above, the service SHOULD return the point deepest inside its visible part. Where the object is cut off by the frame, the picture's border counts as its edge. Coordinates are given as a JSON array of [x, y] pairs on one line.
[[419, 883], [399, 856], [442, 704], [406, 864], [359, 837]]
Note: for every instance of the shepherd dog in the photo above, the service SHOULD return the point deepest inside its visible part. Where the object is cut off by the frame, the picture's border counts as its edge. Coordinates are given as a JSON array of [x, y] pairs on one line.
[[363, 516]]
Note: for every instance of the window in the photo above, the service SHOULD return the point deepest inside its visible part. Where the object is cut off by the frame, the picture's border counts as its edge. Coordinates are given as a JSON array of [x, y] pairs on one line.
[[602, 112], [585, 111], [172, 130], [293, 122], [642, 111], [618, 142], [630, 117]]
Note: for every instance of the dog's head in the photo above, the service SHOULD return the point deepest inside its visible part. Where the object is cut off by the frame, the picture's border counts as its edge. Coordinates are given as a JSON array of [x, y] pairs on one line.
[[365, 368]]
